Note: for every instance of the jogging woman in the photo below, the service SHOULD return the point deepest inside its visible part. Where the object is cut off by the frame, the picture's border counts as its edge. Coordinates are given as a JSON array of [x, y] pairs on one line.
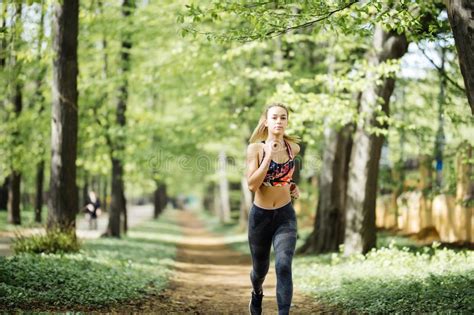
[[272, 219]]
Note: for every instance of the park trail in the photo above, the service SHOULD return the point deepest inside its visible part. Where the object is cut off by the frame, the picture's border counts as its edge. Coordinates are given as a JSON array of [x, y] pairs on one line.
[[211, 278], [208, 276]]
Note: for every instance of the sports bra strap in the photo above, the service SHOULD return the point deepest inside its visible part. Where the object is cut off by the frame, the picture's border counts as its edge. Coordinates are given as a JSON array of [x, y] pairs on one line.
[[290, 152]]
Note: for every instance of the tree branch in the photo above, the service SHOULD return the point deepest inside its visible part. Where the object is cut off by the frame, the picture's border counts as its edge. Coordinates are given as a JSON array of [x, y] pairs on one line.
[[275, 33], [442, 71]]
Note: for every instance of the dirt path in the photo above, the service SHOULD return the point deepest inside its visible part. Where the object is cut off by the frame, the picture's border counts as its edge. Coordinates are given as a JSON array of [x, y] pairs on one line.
[[211, 278]]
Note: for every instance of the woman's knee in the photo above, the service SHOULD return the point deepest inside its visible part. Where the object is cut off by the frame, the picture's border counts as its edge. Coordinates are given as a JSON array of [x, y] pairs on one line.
[[283, 267], [261, 269]]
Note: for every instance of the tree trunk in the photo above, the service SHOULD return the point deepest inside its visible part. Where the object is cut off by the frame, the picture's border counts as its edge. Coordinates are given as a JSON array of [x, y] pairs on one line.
[[440, 135], [4, 194], [3, 40], [97, 185], [461, 18], [17, 102], [118, 204], [425, 186], [85, 190], [63, 191], [39, 191], [299, 163], [164, 197], [124, 209], [3, 55], [156, 201], [360, 233], [15, 176], [14, 198], [39, 98], [104, 204], [224, 209], [464, 190], [328, 232], [398, 177], [208, 201], [217, 202], [160, 199]]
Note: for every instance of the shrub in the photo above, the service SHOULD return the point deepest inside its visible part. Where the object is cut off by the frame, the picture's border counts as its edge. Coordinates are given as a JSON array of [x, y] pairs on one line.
[[53, 242]]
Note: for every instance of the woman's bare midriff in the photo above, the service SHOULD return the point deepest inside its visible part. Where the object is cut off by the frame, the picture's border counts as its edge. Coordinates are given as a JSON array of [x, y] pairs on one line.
[[272, 197]]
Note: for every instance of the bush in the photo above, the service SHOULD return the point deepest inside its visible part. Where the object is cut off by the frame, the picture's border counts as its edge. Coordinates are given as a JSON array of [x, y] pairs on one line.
[[391, 280], [55, 241]]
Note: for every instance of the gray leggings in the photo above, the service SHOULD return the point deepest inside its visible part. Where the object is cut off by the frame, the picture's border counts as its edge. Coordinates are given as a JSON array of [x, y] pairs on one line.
[[277, 226]]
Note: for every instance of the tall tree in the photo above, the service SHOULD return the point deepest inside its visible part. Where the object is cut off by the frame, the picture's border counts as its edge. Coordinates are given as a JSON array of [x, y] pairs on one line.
[[465, 189], [440, 141], [118, 203], [3, 52], [16, 97], [360, 234], [63, 191], [328, 232], [39, 98], [460, 14]]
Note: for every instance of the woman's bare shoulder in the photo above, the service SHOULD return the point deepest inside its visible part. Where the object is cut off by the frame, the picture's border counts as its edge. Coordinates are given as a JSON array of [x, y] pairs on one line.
[[295, 147], [254, 147]]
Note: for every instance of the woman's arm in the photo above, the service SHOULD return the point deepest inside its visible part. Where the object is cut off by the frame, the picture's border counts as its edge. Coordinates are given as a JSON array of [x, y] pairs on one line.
[[256, 174]]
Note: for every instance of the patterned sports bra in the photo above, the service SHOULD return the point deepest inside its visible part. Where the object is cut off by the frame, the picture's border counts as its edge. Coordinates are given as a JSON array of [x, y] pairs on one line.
[[279, 174]]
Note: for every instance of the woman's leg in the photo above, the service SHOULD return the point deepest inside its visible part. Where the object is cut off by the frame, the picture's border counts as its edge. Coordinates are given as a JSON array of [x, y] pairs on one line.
[[284, 243], [260, 241]]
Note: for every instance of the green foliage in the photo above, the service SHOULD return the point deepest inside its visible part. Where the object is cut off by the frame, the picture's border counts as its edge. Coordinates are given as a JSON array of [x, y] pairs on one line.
[[27, 220], [55, 241], [268, 19], [105, 272], [391, 279]]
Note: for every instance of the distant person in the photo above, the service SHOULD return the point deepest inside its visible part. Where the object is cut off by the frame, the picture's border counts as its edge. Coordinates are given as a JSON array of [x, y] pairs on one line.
[[93, 209], [181, 202], [270, 166]]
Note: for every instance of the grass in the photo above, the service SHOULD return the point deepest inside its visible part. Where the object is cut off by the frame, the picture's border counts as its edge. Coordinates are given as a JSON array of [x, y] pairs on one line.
[[391, 279], [27, 220], [399, 276], [106, 272]]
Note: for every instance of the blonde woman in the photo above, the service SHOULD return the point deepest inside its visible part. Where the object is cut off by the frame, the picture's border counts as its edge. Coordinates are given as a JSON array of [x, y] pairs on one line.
[[272, 219]]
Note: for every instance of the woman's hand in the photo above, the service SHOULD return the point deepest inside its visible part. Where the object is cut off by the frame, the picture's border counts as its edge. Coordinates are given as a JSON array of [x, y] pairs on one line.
[[272, 147], [269, 148], [294, 191]]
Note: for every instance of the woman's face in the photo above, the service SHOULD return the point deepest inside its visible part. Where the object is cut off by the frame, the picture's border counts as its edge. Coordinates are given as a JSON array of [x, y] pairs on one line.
[[277, 120]]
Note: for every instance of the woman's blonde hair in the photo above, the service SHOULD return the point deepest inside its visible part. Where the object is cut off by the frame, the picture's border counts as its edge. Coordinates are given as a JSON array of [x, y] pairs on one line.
[[261, 132]]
